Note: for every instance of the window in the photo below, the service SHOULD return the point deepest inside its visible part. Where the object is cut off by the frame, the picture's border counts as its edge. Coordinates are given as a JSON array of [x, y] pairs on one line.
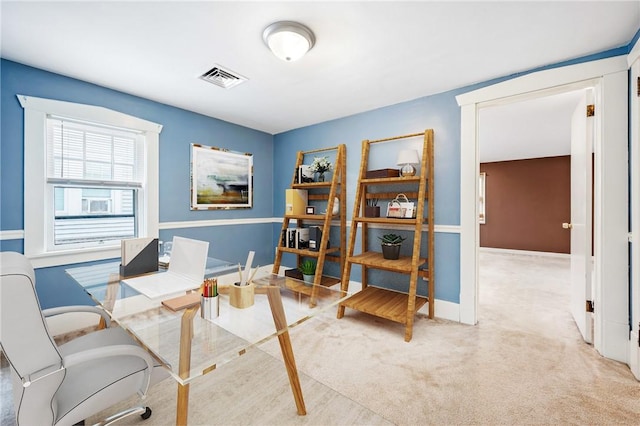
[[98, 182]]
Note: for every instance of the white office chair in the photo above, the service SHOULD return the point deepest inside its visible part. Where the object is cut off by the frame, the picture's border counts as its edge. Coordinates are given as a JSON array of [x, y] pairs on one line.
[[63, 385]]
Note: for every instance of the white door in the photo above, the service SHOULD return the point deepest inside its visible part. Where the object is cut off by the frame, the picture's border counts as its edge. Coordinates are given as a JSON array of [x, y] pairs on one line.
[[581, 217]]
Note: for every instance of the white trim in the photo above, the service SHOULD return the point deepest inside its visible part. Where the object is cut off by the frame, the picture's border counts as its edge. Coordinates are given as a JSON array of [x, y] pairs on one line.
[[634, 54], [35, 114], [634, 351], [214, 222], [17, 234], [544, 80], [606, 76], [525, 252]]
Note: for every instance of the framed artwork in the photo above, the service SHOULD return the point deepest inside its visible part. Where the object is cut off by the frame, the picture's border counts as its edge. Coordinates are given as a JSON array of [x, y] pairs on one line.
[[310, 210], [220, 179]]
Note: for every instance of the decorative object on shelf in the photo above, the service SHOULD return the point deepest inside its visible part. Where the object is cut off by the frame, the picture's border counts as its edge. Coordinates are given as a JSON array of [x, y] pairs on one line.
[[310, 210], [407, 158], [400, 207], [308, 269], [220, 179], [321, 165], [382, 173], [372, 209], [288, 40], [391, 246], [305, 174], [296, 201]]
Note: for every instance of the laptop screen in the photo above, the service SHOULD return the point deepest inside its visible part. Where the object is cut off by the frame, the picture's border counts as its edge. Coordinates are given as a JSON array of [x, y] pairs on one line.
[[189, 257]]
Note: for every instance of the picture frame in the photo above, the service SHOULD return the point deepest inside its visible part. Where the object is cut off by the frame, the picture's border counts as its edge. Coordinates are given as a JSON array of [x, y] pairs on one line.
[[220, 178], [310, 210]]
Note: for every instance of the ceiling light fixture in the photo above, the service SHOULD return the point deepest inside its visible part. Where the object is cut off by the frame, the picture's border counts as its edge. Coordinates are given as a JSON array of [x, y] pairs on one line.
[[288, 40]]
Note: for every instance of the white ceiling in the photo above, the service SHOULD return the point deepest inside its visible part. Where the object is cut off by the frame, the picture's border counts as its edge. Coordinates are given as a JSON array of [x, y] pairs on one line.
[[528, 129], [367, 55]]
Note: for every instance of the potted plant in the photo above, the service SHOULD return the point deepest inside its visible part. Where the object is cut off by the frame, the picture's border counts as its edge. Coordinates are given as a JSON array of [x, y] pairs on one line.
[[308, 269], [321, 165], [391, 245]]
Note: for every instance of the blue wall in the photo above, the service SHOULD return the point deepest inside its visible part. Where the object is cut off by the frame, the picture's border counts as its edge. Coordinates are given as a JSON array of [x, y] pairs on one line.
[[438, 112], [180, 129], [274, 157]]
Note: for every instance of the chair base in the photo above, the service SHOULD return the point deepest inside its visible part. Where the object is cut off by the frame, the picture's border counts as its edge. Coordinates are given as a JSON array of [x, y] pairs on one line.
[[144, 412]]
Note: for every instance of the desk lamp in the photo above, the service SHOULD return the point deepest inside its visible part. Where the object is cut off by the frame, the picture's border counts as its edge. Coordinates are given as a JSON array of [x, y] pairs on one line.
[[407, 158]]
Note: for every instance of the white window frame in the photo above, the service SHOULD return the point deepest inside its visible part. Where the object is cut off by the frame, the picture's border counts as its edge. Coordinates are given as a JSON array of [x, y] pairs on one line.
[[36, 111]]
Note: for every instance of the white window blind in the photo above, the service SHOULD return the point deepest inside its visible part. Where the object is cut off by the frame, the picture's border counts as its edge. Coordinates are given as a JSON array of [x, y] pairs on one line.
[[95, 172], [91, 154]]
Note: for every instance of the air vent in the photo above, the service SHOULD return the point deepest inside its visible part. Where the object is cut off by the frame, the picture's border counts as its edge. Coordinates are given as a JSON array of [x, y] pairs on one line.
[[222, 77]]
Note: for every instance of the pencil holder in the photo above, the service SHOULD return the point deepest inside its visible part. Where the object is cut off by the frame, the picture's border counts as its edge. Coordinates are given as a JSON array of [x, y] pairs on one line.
[[209, 307], [241, 296]]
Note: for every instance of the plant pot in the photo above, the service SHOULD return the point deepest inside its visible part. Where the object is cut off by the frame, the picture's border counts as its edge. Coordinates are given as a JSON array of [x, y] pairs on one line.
[[372, 211], [308, 279], [391, 251]]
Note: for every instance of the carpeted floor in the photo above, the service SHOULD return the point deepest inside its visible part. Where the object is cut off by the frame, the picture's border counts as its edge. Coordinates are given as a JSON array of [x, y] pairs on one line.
[[524, 363]]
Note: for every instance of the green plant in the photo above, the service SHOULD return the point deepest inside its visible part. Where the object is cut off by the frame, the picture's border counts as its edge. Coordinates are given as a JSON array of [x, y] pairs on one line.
[[307, 267], [392, 239]]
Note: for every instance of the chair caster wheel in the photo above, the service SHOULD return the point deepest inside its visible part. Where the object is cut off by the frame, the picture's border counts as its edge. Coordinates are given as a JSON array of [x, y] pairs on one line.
[[146, 414]]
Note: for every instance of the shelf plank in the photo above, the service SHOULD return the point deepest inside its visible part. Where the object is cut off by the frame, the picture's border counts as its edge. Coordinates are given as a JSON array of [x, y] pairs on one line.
[[390, 220], [312, 185], [383, 303], [390, 180], [299, 287], [309, 253], [318, 217], [375, 260]]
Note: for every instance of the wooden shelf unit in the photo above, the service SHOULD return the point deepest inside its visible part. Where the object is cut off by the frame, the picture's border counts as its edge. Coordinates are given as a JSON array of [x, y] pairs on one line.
[[320, 191], [375, 300]]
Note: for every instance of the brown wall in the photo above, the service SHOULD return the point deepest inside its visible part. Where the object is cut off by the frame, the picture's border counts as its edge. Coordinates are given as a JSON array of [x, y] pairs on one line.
[[526, 203]]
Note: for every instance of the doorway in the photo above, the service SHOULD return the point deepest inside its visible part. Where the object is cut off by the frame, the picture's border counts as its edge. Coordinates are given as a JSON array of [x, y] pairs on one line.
[[524, 155], [609, 78]]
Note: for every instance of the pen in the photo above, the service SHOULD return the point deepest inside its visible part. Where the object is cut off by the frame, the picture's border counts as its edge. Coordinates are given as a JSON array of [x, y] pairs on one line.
[[253, 274]]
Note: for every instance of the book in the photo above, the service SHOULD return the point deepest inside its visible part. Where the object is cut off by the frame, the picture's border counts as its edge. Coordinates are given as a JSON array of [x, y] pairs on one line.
[[305, 174]]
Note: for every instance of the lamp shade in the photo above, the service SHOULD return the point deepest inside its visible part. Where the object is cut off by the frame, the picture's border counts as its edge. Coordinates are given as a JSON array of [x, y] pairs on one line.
[[408, 156], [288, 40]]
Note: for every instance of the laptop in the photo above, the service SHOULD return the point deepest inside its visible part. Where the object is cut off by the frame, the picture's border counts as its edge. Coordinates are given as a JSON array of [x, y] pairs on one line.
[[186, 270]]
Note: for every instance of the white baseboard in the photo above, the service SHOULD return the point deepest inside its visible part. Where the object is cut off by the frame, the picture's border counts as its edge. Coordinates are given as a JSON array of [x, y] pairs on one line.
[[524, 252]]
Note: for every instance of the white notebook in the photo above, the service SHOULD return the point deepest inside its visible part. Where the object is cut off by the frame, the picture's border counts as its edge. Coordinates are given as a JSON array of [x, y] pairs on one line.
[[186, 270]]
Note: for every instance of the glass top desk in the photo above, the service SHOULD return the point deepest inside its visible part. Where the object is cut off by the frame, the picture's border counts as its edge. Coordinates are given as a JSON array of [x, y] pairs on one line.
[[190, 346]]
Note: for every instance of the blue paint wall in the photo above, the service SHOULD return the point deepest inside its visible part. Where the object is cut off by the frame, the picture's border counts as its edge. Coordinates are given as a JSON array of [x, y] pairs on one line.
[[274, 157], [438, 112], [180, 129]]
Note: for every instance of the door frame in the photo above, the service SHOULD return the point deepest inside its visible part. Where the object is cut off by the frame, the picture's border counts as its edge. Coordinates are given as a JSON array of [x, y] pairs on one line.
[[633, 61], [609, 79]]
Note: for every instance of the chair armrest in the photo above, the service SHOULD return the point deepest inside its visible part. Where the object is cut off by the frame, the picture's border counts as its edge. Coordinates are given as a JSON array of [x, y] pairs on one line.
[[111, 351], [77, 308]]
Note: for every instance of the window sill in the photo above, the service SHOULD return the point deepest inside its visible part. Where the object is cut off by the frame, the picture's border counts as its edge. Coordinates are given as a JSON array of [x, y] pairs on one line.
[[66, 257]]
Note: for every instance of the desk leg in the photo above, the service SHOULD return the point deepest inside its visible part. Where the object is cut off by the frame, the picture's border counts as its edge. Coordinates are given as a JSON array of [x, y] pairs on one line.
[[280, 320], [186, 335]]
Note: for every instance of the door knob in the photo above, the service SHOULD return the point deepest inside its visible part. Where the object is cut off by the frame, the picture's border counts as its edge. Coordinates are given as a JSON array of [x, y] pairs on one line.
[[566, 225]]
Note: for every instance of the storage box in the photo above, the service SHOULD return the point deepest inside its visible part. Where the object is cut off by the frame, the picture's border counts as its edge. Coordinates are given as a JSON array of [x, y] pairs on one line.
[[296, 201], [293, 273], [382, 173]]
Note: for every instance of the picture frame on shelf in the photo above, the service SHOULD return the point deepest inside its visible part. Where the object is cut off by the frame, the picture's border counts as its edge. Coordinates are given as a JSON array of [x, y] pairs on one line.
[[220, 178], [310, 210], [305, 174]]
